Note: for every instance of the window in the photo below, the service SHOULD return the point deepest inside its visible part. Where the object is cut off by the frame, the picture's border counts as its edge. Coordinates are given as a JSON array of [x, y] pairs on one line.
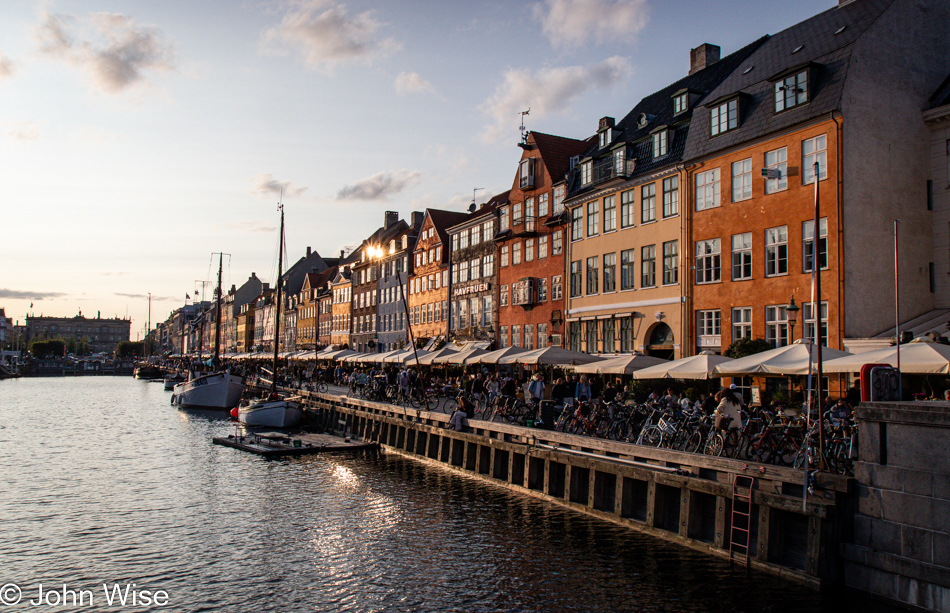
[[516, 216], [648, 266], [707, 189], [503, 295], [488, 265], [542, 336], [557, 288], [610, 213], [543, 205], [516, 336], [741, 323], [814, 150], [776, 251], [526, 173], [610, 272], [620, 162], [741, 256], [487, 231], [592, 275], [680, 103], [463, 272], [463, 240], [474, 269], [516, 253], [791, 91], [543, 289], [591, 336], [660, 141], [438, 311], [529, 210], [559, 198], [627, 218], [593, 218], [476, 236], [776, 160], [577, 229], [776, 325], [707, 261], [808, 244], [574, 335], [671, 262], [708, 327], [627, 335], [474, 317], [529, 250], [556, 247], [808, 321], [576, 279], [603, 138], [542, 247], [585, 172], [529, 336], [627, 270], [503, 337], [742, 180], [671, 196], [724, 117], [648, 203], [610, 339], [504, 256], [504, 223], [486, 311]]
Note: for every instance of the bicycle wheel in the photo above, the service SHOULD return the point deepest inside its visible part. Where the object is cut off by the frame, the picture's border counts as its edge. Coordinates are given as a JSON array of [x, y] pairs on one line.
[[695, 442], [789, 449], [760, 449], [651, 437], [322, 387], [416, 401], [715, 444]]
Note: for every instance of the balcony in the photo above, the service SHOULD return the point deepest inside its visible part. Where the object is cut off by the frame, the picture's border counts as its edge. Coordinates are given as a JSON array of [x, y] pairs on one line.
[[602, 170], [524, 225]]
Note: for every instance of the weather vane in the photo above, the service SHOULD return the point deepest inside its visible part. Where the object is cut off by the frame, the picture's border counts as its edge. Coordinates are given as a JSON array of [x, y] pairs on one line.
[[473, 206], [524, 131]]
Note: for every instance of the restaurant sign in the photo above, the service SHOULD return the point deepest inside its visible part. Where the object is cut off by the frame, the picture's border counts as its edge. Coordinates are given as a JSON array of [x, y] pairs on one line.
[[471, 289]]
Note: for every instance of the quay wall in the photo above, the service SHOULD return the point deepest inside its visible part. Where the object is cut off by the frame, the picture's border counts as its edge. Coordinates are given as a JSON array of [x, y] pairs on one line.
[[680, 497], [900, 548]]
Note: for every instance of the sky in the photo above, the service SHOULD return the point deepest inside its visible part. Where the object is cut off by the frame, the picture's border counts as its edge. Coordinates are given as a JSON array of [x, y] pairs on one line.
[[137, 138]]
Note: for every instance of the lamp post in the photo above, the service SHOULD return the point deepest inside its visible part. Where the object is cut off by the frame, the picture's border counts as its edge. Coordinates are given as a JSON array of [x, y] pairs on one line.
[[792, 310]]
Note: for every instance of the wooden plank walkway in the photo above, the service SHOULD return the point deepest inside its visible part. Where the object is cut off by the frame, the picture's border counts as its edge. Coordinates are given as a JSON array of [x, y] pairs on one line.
[[279, 444]]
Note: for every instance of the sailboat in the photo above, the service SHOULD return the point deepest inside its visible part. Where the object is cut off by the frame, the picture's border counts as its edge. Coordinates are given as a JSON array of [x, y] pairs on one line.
[[145, 369], [273, 411], [215, 390]]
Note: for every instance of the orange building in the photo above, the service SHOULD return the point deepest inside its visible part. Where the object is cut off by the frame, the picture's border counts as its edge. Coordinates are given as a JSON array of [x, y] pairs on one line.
[[429, 280]]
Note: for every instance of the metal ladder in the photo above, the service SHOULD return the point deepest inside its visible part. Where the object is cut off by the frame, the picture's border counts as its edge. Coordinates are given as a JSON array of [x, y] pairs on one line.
[[741, 530]]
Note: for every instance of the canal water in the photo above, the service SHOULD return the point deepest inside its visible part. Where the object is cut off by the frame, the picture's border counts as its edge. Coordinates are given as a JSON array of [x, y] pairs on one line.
[[104, 483]]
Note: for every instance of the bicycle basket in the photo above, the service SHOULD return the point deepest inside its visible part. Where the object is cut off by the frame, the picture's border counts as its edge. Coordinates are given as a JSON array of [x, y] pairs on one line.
[[666, 427]]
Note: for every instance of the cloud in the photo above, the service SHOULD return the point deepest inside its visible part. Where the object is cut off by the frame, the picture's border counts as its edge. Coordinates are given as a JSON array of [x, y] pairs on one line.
[[114, 274], [265, 184], [7, 67], [571, 23], [113, 50], [29, 295], [325, 36], [251, 227], [412, 83], [22, 131], [380, 186], [551, 90]]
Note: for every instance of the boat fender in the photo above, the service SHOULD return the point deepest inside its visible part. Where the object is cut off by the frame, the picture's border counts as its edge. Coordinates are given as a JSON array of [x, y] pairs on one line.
[[172, 401], [234, 412]]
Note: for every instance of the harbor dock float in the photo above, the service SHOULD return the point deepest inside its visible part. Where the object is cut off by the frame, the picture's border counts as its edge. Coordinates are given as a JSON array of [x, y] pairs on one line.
[[279, 444]]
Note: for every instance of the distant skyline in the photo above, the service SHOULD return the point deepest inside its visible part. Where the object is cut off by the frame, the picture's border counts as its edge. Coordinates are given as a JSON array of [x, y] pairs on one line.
[[139, 137]]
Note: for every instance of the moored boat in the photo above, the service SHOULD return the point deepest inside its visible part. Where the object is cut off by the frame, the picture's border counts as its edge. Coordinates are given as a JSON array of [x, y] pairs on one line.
[[172, 380], [280, 413], [216, 390]]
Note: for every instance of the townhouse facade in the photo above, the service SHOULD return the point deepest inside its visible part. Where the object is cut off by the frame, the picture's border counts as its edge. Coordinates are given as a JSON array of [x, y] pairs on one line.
[[341, 289], [395, 262], [531, 241], [429, 282]]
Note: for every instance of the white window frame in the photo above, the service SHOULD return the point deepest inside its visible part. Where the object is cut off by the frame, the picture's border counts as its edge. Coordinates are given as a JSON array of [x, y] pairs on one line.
[[708, 261], [742, 256], [707, 189], [814, 150], [776, 251], [742, 180], [777, 159], [724, 117], [741, 323]]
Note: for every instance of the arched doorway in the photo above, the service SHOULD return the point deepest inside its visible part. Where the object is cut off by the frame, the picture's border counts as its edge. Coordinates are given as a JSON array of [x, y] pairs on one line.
[[660, 343]]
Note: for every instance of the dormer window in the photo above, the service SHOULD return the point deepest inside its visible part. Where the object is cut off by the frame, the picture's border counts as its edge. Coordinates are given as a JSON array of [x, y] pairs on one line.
[[405, 241], [643, 120], [724, 117], [791, 91], [526, 174], [392, 246], [660, 143], [680, 103], [573, 161], [605, 137], [585, 172]]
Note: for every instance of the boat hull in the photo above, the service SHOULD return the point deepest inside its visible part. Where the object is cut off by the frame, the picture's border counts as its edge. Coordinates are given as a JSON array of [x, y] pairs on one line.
[[272, 414], [220, 390]]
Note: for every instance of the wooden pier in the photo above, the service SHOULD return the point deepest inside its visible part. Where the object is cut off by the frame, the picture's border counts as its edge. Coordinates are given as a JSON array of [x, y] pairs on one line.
[[279, 444]]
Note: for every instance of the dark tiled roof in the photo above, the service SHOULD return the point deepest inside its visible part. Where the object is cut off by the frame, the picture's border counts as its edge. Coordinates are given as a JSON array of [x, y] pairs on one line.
[[658, 109], [485, 209], [443, 220], [819, 45], [557, 151]]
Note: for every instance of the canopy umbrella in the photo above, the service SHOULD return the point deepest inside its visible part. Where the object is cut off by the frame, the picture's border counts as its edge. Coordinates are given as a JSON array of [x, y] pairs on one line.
[[460, 357], [492, 357], [430, 357], [918, 357], [694, 367], [375, 357], [357, 356], [788, 360], [405, 357], [341, 355], [621, 365], [550, 355]]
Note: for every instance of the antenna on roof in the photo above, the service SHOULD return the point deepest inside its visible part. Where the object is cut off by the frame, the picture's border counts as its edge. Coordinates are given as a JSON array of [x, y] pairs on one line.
[[524, 131], [473, 206]]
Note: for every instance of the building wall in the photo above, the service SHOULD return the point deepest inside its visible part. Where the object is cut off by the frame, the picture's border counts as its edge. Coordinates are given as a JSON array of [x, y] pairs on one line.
[[435, 275], [791, 208], [342, 313], [889, 82], [938, 120], [477, 288]]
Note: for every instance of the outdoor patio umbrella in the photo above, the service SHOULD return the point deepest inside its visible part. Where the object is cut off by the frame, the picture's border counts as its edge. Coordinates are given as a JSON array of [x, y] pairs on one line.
[[460, 357], [788, 360], [550, 355], [341, 355], [492, 357], [430, 357], [694, 367], [621, 365], [376, 357], [918, 357], [405, 356]]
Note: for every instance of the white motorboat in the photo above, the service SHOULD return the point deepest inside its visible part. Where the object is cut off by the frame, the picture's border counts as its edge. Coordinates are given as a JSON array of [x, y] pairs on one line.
[[283, 413], [217, 390], [172, 380]]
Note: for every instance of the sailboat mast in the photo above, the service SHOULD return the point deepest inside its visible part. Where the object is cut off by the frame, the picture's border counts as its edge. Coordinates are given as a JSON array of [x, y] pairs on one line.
[[280, 269], [148, 327], [217, 315]]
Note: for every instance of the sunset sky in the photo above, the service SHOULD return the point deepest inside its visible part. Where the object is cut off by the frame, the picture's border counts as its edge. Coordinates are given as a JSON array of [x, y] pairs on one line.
[[138, 137]]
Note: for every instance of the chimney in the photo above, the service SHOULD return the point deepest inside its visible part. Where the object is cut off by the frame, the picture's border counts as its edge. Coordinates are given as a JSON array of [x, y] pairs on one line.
[[341, 253], [308, 251], [417, 217], [391, 218], [703, 56]]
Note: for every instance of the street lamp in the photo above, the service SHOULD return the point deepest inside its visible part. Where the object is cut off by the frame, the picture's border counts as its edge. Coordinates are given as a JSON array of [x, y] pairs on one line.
[[792, 311]]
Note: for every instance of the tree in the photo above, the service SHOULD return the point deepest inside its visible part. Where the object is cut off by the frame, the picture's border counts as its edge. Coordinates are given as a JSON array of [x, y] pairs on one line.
[[742, 347], [48, 349], [128, 349]]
